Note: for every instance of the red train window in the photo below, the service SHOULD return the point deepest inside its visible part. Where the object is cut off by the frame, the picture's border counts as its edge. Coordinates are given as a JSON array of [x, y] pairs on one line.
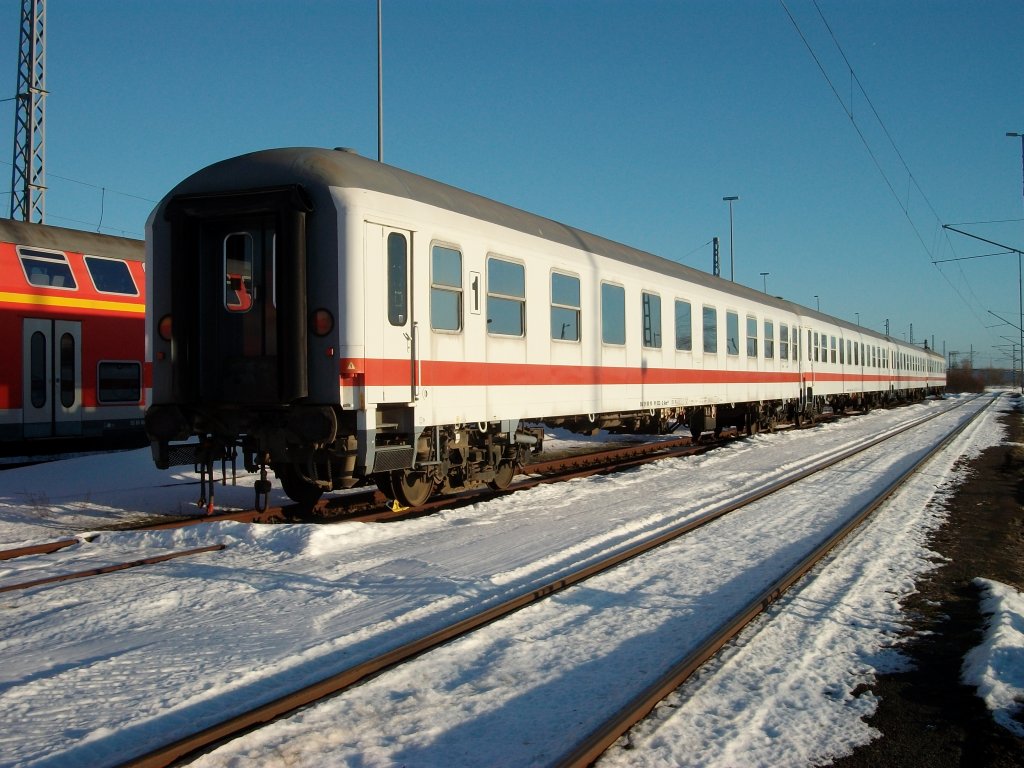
[[47, 268], [119, 381], [111, 276]]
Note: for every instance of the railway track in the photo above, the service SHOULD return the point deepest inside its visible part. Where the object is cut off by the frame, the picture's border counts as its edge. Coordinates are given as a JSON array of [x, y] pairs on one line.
[[610, 728]]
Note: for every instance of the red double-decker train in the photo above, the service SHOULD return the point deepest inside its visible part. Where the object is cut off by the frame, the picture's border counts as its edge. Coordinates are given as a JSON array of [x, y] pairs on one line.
[[72, 316]]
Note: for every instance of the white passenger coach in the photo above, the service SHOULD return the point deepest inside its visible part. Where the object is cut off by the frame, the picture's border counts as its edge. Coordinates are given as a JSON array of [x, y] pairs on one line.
[[344, 321]]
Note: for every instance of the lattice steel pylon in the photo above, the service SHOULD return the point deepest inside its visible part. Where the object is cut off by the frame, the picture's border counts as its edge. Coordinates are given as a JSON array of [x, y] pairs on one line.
[[28, 191]]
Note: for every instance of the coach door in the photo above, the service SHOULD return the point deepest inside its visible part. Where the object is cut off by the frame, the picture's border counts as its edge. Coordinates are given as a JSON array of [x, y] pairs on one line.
[[238, 312], [388, 273], [52, 379]]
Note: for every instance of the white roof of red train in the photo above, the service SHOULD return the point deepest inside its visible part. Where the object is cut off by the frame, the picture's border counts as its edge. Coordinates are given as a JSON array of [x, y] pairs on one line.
[[77, 241]]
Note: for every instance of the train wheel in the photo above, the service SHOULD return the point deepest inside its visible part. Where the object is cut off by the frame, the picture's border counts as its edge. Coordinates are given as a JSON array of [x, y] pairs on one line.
[[296, 487], [412, 489], [503, 477]]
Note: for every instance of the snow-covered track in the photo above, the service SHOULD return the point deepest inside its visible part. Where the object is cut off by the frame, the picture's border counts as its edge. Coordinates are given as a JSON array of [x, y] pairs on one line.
[[370, 668], [597, 742], [109, 568]]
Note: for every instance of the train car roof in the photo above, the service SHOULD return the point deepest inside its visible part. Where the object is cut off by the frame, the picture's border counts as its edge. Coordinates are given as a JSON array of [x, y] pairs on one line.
[[61, 239], [347, 169]]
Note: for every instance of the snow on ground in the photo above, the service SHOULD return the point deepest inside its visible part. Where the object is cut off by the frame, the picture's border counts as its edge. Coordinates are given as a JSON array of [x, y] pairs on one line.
[[94, 670], [996, 667]]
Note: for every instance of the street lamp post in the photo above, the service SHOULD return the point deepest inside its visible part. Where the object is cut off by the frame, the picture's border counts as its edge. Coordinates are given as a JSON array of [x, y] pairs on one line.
[[732, 260], [764, 277], [1020, 291], [380, 86]]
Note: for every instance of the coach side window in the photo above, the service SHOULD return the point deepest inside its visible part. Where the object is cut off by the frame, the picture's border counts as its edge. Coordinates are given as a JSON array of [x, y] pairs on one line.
[[732, 333], [445, 289], [565, 307], [506, 297], [769, 339], [711, 330], [398, 279], [751, 337], [684, 326], [833, 357], [613, 314], [783, 341], [651, 319], [47, 268]]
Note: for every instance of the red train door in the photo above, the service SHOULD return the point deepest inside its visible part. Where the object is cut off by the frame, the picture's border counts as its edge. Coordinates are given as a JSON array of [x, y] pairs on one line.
[[52, 377]]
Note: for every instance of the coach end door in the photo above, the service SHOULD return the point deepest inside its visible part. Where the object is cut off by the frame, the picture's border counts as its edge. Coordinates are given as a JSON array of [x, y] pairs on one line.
[[238, 312], [393, 377], [52, 378]]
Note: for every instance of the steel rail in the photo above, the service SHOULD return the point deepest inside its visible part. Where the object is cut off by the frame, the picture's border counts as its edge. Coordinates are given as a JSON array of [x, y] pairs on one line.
[[288, 703], [47, 548], [111, 568], [596, 743]]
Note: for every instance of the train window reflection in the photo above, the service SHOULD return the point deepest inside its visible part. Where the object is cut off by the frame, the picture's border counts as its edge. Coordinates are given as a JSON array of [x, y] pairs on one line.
[[613, 314], [398, 279], [119, 382], [751, 337], [711, 330], [565, 307], [68, 380], [732, 333], [684, 326], [652, 320], [769, 339], [506, 298], [47, 268], [783, 341], [37, 369], [238, 270], [445, 289]]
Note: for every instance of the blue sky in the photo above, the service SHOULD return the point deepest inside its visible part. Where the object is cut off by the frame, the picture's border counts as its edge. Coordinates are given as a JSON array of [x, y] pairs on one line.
[[627, 119]]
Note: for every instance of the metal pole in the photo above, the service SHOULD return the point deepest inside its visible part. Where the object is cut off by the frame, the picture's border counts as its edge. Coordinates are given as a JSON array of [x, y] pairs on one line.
[[732, 259], [1020, 287], [1020, 290], [380, 87]]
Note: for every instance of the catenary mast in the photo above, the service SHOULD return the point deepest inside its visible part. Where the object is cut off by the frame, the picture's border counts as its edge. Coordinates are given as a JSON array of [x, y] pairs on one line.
[[28, 190]]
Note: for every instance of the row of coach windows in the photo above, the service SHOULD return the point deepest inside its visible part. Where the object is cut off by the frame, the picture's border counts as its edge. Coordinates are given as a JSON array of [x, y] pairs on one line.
[[506, 314], [831, 349], [51, 269]]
